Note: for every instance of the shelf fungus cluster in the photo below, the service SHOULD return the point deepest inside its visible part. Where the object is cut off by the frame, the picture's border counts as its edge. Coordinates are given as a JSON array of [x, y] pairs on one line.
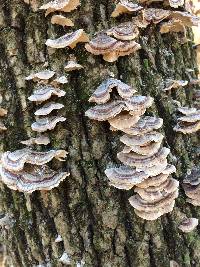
[[145, 167], [60, 5], [26, 169], [191, 186], [190, 121]]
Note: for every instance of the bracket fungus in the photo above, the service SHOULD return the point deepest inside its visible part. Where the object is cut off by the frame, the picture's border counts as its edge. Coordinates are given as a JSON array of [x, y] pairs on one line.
[[40, 140], [126, 31], [47, 123], [174, 84], [42, 75], [176, 3], [68, 40], [173, 25], [124, 6], [188, 225], [111, 48], [145, 160], [61, 20], [15, 161], [190, 123], [3, 112], [102, 94], [191, 186], [48, 108], [43, 93], [72, 65], [155, 15], [60, 5], [186, 18], [32, 178], [59, 80], [111, 109]]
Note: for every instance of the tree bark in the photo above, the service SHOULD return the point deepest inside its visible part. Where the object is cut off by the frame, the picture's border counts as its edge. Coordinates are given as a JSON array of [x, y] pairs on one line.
[[96, 222]]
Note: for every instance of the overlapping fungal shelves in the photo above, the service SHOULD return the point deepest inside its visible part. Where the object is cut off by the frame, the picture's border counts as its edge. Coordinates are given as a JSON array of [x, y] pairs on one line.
[[144, 160], [26, 169], [190, 121]]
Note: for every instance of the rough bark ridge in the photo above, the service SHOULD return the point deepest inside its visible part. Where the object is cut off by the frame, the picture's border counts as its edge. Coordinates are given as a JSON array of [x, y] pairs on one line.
[[96, 222]]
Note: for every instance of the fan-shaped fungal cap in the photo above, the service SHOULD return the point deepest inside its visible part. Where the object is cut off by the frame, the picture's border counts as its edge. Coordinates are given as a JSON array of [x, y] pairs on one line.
[[48, 108], [187, 19], [145, 125], [187, 110], [173, 25], [125, 177], [153, 215], [157, 192], [43, 93], [110, 48], [45, 124], [141, 140], [139, 161], [195, 202], [155, 169], [110, 110], [194, 117], [69, 39], [61, 20], [155, 180], [188, 225], [192, 191], [173, 84], [102, 93], [42, 75], [123, 120], [152, 206], [147, 150], [73, 65], [173, 263], [60, 5], [105, 111], [40, 140], [155, 15], [3, 112], [14, 161], [193, 178], [125, 6], [176, 3], [102, 44], [125, 31], [187, 128], [32, 178]]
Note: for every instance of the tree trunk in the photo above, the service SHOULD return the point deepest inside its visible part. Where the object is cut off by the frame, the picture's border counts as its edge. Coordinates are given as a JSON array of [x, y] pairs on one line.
[[96, 222]]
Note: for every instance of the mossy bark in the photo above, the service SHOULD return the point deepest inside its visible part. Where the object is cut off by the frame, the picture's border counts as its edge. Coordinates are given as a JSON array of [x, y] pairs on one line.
[[96, 222]]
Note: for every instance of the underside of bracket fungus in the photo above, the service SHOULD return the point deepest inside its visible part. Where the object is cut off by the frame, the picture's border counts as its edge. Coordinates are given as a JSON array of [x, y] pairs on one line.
[[58, 81], [15, 161], [72, 65], [188, 225], [48, 108], [190, 122], [42, 75], [61, 20], [40, 140], [60, 5], [43, 93], [126, 31], [32, 178], [68, 40], [145, 160], [191, 186], [47, 123], [110, 48], [125, 6]]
